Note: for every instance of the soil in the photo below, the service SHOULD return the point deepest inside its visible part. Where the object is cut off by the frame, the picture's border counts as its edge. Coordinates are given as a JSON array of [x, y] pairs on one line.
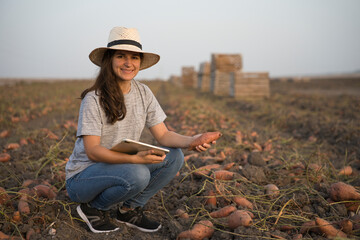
[[298, 139]]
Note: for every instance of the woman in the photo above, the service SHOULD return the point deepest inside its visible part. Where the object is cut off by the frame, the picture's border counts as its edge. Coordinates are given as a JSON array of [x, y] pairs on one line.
[[114, 108]]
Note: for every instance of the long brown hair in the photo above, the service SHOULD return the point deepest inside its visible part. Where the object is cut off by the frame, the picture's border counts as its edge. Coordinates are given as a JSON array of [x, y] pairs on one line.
[[107, 88]]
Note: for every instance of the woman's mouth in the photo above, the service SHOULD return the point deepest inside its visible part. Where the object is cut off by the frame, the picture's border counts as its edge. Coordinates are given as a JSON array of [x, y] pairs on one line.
[[126, 71]]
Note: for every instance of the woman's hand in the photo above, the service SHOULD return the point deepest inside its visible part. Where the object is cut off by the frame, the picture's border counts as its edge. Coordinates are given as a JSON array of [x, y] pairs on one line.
[[98, 153], [172, 139], [148, 157], [203, 147]]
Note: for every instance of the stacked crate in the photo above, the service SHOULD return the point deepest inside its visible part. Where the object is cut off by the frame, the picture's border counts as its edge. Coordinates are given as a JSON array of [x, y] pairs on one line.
[[204, 77], [188, 77], [176, 80], [223, 67], [250, 85]]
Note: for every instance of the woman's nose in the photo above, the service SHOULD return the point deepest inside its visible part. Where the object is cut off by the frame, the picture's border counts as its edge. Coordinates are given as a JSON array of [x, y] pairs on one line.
[[127, 61]]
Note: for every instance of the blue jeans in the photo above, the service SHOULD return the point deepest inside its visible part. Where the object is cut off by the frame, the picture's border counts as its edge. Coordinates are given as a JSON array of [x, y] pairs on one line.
[[103, 185]]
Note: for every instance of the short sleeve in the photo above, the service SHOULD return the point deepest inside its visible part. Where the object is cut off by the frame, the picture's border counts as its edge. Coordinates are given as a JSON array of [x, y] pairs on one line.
[[90, 122], [155, 114]]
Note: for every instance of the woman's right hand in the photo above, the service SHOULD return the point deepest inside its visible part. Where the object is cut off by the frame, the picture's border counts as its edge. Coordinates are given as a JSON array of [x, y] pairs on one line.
[[148, 157]]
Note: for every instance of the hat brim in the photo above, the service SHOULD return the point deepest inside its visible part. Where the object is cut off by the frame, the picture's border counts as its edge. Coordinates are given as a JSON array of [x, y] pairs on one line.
[[148, 60]]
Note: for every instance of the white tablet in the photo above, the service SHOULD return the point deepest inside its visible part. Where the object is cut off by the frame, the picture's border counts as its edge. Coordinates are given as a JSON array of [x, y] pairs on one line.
[[132, 147]]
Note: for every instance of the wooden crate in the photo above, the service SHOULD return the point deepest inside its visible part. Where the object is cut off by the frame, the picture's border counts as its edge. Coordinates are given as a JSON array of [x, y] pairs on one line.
[[189, 77], [222, 68], [204, 77], [250, 85], [220, 82], [226, 62], [176, 80]]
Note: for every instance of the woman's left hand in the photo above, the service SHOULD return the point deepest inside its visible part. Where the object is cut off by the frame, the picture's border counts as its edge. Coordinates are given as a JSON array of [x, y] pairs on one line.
[[204, 147]]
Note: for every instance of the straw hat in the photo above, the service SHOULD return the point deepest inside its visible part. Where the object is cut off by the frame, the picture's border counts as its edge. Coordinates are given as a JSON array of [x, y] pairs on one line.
[[127, 39]]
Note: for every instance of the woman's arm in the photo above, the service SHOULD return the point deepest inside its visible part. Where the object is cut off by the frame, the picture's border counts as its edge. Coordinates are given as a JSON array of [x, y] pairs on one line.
[[98, 153], [172, 139]]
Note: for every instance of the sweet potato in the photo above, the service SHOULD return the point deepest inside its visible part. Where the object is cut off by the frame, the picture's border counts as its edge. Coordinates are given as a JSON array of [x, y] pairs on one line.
[[12, 146], [297, 236], [243, 202], [27, 183], [268, 146], [221, 190], [207, 137], [223, 175], [201, 230], [44, 191], [257, 147], [205, 170], [315, 167], [212, 152], [211, 200], [286, 227], [4, 157], [346, 225], [187, 157], [70, 124], [228, 166], [23, 205], [275, 236], [223, 212], [4, 134], [239, 137], [4, 236], [328, 229], [182, 214], [4, 197], [50, 134], [30, 140], [16, 217], [61, 176], [31, 183], [15, 119], [352, 206], [239, 218], [272, 190], [23, 141], [347, 170], [309, 227], [222, 156], [356, 222], [30, 233], [342, 192]]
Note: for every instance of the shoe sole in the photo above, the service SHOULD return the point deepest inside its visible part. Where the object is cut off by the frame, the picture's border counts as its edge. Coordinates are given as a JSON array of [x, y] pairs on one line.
[[83, 217], [140, 228]]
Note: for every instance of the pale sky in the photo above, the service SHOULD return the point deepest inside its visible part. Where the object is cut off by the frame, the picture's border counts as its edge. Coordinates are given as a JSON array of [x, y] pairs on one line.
[[52, 39]]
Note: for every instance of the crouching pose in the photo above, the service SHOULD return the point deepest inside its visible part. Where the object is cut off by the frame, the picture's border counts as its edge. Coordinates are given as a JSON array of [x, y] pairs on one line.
[[114, 108]]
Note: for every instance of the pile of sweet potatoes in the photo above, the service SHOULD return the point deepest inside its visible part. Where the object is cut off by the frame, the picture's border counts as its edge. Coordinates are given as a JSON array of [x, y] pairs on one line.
[[226, 207], [18, 203]]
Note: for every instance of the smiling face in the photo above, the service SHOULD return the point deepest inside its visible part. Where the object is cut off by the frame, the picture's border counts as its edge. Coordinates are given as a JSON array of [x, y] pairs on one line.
[[126, 65]]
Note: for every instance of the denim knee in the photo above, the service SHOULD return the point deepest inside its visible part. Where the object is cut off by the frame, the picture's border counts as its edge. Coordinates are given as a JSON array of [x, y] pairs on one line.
[[176, 157], [140, 178]]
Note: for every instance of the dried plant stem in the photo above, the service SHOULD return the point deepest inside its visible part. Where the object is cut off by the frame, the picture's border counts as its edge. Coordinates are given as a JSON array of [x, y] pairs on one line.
[[242, 235], [281, 211], [50, 156], [163, 204], [17, 229]]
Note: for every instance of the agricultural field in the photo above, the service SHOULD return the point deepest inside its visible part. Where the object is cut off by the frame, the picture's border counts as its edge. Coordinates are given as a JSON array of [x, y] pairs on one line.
[[280, 163]]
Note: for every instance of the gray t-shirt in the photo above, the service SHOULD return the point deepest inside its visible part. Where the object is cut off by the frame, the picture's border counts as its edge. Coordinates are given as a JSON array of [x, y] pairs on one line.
[[142, 110]]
